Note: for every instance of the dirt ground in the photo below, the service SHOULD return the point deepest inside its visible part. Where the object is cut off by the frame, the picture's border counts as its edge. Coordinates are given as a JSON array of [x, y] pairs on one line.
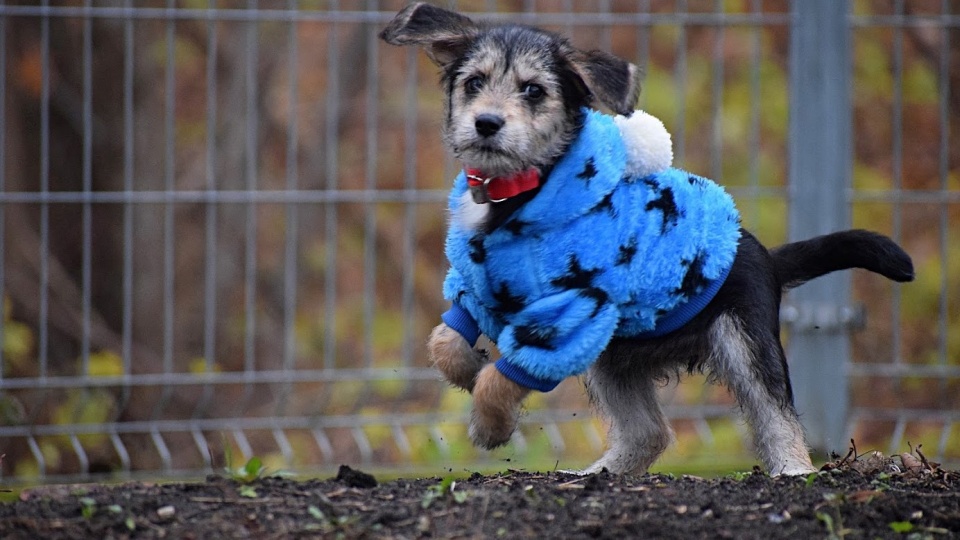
[[870, 497]]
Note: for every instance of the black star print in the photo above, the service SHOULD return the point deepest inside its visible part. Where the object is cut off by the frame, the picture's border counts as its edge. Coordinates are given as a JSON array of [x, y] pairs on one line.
[[533, 336], [693, 280], [516, 226], [605, 204], [576, 277], [627, 252], [666, 204], [478, 253], [598, 296], [589, 170], [507, 302]]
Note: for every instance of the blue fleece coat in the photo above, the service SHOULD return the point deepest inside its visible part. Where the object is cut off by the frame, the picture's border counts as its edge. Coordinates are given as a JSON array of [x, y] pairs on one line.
[[595, 254]]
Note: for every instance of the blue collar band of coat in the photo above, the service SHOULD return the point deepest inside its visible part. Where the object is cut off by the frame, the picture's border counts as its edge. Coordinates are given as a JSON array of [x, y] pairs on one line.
[[598, 253]]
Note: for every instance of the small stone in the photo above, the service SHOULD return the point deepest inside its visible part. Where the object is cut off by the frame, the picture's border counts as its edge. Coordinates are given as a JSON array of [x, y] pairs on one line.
[[166, 512], [778, 518]]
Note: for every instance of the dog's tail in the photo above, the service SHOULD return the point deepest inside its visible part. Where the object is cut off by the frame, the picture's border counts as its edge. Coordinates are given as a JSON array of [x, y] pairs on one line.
[[799, 262]]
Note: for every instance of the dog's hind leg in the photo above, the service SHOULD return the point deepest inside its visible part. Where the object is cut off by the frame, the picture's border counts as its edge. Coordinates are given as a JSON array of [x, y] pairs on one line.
[[753, 366], [639, 433]]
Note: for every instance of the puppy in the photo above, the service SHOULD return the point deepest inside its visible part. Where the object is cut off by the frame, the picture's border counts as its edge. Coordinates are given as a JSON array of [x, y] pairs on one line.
[[578, 249]]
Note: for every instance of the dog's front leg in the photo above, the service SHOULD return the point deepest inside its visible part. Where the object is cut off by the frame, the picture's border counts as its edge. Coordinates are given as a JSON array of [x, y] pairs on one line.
[[454, 357], [496, 408]]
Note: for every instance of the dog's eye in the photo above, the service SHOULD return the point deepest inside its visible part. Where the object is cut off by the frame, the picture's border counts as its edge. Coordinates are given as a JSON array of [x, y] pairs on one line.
[[473, 85], [533, 92]]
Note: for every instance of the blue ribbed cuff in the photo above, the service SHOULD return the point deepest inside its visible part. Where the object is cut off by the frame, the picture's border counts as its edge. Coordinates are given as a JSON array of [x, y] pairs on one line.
[[682, 314], [524, 379], [460, 320]]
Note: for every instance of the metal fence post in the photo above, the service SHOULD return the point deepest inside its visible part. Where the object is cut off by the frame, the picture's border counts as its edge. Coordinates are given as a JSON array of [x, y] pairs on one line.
[[819, 178]]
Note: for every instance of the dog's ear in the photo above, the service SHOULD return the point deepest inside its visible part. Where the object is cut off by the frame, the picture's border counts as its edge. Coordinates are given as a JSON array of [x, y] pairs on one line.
[[444, 34], [612, 80]]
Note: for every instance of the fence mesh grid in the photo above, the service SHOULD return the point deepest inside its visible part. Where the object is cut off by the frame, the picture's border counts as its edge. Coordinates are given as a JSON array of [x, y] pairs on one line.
[[221, 229]]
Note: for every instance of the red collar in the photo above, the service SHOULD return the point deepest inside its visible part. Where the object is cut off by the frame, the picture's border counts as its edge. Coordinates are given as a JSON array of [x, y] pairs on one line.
[[500, 188]]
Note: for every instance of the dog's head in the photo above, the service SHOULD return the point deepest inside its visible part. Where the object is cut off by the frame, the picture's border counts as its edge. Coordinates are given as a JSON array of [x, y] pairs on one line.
[[514, 93]]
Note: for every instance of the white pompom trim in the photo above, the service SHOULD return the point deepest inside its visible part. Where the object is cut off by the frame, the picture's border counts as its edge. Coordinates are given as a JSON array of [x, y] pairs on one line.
[[648, 143]]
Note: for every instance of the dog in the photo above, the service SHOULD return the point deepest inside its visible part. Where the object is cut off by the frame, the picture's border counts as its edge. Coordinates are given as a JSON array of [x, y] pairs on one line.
[[578, 250]]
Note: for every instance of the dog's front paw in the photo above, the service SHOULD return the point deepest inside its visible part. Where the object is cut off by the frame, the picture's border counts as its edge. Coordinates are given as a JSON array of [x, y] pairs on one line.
[[496, 408], [454, 357]]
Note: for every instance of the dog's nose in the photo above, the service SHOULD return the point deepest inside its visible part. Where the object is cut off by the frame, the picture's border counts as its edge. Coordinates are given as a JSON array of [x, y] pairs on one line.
[[488, 124]]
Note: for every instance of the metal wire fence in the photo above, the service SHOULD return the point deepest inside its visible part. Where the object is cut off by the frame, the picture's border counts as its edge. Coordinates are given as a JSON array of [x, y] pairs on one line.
[[221, 229]]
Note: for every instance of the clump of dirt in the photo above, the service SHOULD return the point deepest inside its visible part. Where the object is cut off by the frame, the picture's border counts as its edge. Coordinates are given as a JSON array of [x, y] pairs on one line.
[[872, 496]]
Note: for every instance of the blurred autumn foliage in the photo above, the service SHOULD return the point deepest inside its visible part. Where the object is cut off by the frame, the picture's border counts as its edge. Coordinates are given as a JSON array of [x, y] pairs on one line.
[[319, 104]]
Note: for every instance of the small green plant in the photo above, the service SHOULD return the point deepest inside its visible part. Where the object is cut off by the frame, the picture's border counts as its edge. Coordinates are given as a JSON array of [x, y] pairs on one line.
[[835, 529], [739, 476], [827, 520], [128, 522], [88, 507], [901, 526], [328, 524], [248, 492], [446, 487], [316, 513], [915, 531], [812, 477], [252, 470], [880, 482]]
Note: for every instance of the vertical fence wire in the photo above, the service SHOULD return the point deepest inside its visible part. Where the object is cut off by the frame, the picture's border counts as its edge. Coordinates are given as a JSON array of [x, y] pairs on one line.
[[126, 324], [3, 189], [606, 34], [332, 140], [896, 155], [680, 83], [86, 228], [44, 315], [212, 212], [751, 203], [292, 223], [716, 139], [643, 49], [371, 112], [251, 132], [169, 185], [944, 174], [87, 210], [410, 210]]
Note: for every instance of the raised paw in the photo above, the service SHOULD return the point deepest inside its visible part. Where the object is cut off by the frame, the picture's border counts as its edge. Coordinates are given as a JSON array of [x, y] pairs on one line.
[[454, 357], [496, 408]]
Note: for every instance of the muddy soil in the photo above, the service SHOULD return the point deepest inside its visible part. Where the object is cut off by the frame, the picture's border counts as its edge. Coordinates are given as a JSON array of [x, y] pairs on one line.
[[873, 497]]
